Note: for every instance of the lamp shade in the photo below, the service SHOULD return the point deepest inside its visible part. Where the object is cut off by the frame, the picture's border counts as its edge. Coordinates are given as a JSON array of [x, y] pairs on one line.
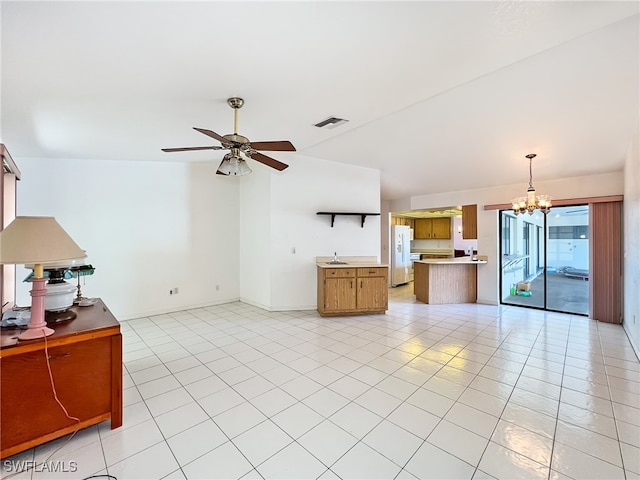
[[36, 240]]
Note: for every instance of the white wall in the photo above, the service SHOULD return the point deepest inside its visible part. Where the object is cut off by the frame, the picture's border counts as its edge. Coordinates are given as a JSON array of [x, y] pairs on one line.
[[460, 243], [255, 237], [631, 240], [147, 227], [296, 194], [488, 239]]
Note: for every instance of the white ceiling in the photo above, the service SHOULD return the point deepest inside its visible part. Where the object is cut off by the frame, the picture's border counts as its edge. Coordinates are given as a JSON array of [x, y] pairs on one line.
[[440, 96]]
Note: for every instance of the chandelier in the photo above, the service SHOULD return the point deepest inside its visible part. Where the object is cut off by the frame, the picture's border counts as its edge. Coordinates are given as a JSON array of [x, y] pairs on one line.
[[531, 202]]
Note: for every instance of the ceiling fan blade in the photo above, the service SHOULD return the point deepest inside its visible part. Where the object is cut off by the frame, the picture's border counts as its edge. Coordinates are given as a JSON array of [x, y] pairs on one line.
[[212, 134], [283, 146], [270, 162], [186, 149]]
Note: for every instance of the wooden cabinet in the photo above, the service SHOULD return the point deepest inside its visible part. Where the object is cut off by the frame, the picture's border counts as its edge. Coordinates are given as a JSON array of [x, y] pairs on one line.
[[437, 228], [438, 283], [9, 176], [352, 291], [85, 358], [340, 289], [469, 222], [409, 222]]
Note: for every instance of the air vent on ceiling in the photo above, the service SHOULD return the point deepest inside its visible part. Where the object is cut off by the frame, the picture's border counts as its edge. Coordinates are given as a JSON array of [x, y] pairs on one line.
[[331, 122]]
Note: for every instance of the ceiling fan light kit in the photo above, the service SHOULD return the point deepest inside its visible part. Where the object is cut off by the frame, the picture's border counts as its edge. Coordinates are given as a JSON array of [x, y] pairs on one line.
[[531, 202], [234, 163]]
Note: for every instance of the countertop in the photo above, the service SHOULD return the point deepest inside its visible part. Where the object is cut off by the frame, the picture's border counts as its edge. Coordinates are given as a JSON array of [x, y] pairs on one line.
[[351, 265], [452, 261]]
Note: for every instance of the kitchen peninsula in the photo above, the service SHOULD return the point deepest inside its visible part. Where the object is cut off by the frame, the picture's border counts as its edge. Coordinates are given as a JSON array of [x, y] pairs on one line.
[[352, 286], [446, 280]]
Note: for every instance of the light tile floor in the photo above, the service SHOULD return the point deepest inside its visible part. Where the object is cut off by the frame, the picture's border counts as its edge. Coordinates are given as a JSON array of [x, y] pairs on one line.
[[425, 391]]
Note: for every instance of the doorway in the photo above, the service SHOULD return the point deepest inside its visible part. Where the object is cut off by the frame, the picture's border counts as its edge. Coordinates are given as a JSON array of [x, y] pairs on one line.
[[547, 270]]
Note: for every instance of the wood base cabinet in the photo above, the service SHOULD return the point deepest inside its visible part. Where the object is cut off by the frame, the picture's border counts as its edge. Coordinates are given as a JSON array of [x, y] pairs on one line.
[[353, 290], [439, 283]]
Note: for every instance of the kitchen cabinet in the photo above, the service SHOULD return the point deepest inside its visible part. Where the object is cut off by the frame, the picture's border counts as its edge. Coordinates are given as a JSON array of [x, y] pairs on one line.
[[352, 290], [469, 222], [437, 228], [445, 281], [409, 222]]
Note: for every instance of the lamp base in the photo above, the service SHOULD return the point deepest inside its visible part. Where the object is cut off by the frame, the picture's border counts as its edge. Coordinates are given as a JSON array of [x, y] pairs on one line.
[[33, 333], [37, 327]]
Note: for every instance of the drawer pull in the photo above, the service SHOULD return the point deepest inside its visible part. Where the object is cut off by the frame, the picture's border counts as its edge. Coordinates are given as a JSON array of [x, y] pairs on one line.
[[57, 357]]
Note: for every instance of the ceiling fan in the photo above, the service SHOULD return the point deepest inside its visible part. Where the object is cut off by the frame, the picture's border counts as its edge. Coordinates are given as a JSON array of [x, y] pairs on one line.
[[240, 147]]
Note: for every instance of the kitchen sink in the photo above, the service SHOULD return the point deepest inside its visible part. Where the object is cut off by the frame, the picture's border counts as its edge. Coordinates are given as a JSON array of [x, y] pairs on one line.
[[333, 262]]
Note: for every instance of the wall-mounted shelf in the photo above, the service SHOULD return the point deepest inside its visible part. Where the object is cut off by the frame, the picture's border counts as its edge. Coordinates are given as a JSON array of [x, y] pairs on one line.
[[361, 215]]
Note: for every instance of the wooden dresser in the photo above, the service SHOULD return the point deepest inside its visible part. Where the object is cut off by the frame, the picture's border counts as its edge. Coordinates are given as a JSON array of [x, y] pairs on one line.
[[85, 355]]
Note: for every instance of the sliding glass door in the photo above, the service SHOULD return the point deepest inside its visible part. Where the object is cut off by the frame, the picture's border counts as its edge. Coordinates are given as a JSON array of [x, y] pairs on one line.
[[522, 278], [550, 270]]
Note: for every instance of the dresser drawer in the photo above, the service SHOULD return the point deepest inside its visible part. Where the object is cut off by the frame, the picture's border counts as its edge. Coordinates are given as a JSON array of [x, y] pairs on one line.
[[339, 272], [372, 272]]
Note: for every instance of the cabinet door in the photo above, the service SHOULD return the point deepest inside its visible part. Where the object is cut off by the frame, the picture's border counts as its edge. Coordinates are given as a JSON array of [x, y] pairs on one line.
[[340, 294], [469, 222], [441, 228], [372, 293], [82, 373], [422, 228]]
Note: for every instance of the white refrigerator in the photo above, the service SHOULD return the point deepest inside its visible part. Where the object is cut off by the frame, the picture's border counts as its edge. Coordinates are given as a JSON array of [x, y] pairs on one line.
[[400, 251]]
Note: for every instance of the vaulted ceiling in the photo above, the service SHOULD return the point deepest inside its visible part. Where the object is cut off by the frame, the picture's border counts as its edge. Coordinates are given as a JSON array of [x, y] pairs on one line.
[[440, 96]]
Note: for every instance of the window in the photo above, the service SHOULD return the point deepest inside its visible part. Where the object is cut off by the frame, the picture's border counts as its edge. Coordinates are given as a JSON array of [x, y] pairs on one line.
[[508, 228], [570, 232]]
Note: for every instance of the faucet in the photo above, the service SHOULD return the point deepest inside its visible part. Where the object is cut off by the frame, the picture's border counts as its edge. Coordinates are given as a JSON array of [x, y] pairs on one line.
[[335, 257]]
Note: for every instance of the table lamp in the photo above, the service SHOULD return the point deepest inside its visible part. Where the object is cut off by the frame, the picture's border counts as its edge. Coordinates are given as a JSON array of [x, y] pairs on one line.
[[37, 240]]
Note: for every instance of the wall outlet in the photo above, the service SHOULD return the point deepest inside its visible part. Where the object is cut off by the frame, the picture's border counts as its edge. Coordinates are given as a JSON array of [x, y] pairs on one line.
[[173, 291]]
